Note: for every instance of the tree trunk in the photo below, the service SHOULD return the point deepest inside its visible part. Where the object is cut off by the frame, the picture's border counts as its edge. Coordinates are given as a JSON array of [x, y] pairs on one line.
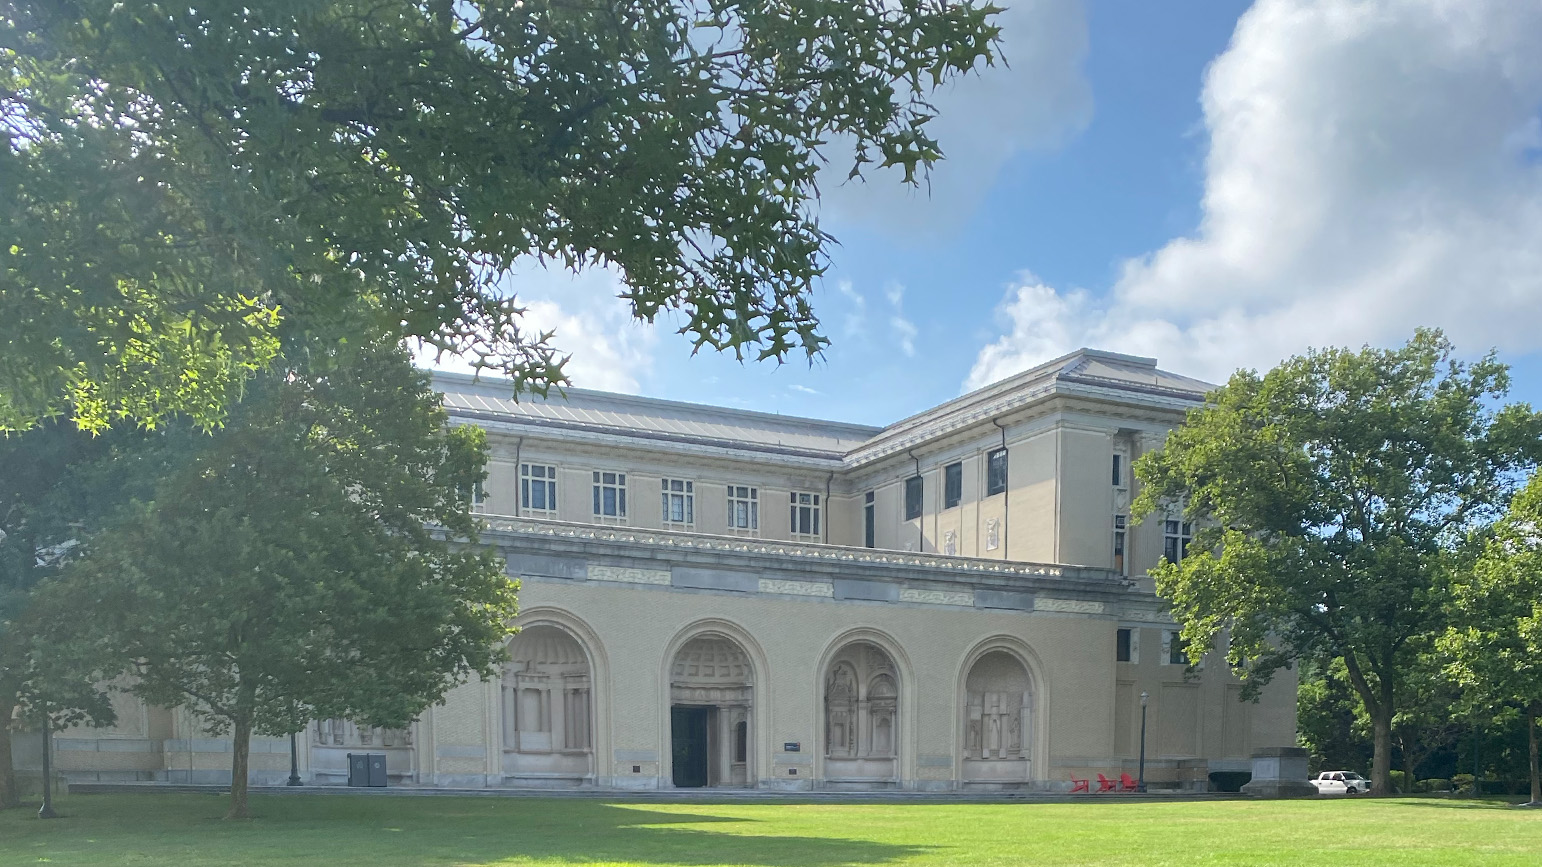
[[240, 757], [9, 796], [1381, 762], [1536, 766]]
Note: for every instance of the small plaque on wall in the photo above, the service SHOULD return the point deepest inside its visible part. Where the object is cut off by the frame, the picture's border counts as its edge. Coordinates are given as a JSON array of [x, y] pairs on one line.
[[792, 747]]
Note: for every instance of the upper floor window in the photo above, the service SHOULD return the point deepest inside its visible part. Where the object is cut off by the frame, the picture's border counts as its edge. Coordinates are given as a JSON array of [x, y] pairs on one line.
[[805, 514], [743, 509], [1120, 528], [869, 519], [1175, 652], [995, 472], [537, 488], [679, 502], [1176, 536], [952, 485], [610, 496], [478, 497], [1124, 646], [915, 487], [1118, 470]]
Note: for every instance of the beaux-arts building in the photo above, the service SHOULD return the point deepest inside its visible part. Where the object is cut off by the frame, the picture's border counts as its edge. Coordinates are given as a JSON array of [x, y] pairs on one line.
[[715, 597]]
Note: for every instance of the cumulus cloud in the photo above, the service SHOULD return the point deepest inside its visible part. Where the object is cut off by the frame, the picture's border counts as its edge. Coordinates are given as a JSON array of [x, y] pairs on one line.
[[609, 350], [1373, 167], [904, 330], [1036, 100]]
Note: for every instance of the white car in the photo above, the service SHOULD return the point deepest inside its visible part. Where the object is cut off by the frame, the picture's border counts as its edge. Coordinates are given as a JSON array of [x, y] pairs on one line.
[[1341, 783]]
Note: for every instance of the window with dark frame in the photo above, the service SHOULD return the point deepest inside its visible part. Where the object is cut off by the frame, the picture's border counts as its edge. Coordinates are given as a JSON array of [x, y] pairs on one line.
[[743, 508], [1176, 536], [1122, 645], [609, 494], [805, 514], [1118, 471], [869, 520], [678, 502], [915, 487], [996, 472], [1175, 654], [538, 487], [952, 485], [1120, 522]]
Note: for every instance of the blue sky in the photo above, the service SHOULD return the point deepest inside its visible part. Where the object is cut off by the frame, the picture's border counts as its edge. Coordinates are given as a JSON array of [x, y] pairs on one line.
[[1217, 184]]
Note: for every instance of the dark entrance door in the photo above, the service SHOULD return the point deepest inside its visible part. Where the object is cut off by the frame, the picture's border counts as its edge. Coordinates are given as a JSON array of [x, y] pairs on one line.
[[688, 733]]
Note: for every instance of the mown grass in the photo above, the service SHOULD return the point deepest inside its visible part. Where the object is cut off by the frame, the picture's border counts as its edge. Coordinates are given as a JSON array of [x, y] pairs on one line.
[[383, 831]]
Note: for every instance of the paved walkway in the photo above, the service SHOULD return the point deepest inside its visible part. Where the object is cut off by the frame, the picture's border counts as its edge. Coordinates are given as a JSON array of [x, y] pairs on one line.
[[669, 795]]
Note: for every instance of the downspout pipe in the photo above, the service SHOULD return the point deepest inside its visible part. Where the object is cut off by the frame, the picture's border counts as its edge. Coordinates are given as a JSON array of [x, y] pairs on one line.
[[829, 509], [920, 520], [519, 443]]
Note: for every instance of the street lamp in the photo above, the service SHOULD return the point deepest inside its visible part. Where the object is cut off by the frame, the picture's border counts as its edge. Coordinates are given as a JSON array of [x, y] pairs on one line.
[[1141, 785], [294, 762]]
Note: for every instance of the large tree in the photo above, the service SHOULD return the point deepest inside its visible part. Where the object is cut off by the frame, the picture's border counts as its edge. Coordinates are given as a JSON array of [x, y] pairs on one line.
[[1330, 495], [314, 558], [177, 178], [1496, 643]]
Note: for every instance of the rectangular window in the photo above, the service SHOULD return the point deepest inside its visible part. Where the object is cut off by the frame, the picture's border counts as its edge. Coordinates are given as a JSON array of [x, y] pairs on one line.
[[1176, 536], [952, 485], [478, 497], [915, 486], [1175, 654], [1118, 471], [679, 502], [1119, 530], [538, 488], [996, 472], [1122, 646], [805, 514], [610, 496], [743, 509], [869, 520]]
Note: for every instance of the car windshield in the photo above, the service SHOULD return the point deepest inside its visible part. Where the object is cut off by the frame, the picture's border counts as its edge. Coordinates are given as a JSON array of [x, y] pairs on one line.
[[1352, 776]]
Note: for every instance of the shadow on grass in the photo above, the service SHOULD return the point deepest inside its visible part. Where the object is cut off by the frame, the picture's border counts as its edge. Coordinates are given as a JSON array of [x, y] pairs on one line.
[[184, 829]]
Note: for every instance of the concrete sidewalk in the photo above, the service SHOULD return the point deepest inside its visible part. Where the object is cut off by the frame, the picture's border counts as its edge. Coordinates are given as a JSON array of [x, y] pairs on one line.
[[670, 795]]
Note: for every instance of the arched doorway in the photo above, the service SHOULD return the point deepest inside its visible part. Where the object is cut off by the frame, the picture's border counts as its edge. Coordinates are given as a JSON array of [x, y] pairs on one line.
[[998, 720], [861, 718], [548, 709], [711, 694]]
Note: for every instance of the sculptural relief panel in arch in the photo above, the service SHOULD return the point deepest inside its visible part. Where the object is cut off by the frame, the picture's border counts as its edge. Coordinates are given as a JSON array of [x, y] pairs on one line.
[[861, 718], [712, 698], [548, 709], [998, 721]]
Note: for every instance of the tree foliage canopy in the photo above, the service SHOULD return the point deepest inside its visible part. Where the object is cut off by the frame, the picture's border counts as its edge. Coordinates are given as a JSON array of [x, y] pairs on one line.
[[178, 177], [1330, 495], [313, 559]]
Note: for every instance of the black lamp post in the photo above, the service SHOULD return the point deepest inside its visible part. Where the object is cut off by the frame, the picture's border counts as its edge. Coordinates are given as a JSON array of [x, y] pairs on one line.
[[1140, 786], [294, 762], [47, 811]]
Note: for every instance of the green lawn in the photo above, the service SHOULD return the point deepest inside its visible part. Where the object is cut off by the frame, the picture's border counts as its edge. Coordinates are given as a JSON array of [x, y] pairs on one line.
[[382, 831]]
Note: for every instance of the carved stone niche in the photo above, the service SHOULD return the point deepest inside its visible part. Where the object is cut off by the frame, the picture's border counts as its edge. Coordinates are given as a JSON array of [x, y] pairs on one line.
[[548, 712], [998, 715], [861, 724]]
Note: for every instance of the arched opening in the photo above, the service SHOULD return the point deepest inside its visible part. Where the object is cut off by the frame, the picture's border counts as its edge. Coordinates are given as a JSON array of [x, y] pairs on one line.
[[548, 709], [998, 718], [711, 693], [861, 718]]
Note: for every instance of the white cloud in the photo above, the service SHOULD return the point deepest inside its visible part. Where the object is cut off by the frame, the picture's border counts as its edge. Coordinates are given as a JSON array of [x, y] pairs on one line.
[[609, 350], [1373, 167], [1036, 100], [855, 324], [904, 330]]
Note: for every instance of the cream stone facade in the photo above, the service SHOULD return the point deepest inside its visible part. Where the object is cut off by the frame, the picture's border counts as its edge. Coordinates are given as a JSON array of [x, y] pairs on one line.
[[719, 598]]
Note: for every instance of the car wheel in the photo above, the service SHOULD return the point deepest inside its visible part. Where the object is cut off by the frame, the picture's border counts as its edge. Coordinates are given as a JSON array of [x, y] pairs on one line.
[[1351, 790]]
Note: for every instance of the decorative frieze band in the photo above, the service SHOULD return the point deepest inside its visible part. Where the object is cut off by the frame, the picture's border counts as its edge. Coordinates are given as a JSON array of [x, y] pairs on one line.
[[938, 597], [1071, 606], [628, 575], [797, 588]]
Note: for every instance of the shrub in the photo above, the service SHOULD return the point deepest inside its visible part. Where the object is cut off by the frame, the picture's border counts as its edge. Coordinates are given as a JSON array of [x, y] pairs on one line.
[[1434, 784], [1462, 784], [1399, 782]]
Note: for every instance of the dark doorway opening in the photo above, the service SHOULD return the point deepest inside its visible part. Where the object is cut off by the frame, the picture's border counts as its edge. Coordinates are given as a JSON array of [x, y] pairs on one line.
[[688, 734]]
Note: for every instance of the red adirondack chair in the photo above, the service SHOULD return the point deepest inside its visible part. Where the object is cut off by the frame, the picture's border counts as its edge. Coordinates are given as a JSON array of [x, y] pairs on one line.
[[1105, 784], [1128, 783], [1080, 786]]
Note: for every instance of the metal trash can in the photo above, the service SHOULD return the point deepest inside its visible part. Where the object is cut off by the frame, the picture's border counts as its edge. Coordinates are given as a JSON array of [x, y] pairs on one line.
[[367, 770]]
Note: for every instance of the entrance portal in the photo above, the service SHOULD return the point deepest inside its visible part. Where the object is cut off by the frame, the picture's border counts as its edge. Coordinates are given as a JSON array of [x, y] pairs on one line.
[[689, 752], [711, 696]]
